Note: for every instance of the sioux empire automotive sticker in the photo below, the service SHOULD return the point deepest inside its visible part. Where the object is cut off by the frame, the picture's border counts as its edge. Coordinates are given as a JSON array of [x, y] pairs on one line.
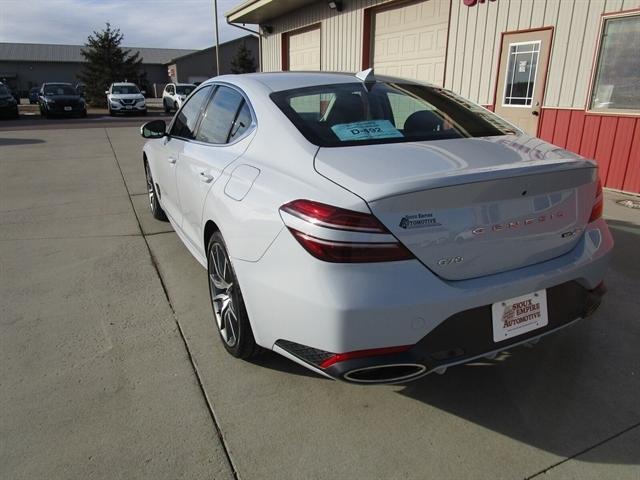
[[419, 220], [521, 312]]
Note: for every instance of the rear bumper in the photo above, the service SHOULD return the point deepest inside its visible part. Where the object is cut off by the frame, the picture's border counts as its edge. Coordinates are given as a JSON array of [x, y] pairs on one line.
[[461, 338], [291, 296]]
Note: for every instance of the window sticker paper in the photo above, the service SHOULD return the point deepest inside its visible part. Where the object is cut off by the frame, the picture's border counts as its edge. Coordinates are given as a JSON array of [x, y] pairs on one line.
[[368, 130]]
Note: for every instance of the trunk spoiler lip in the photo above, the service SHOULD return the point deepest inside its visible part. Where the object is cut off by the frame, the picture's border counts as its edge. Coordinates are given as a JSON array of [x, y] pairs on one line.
[[478, 176]]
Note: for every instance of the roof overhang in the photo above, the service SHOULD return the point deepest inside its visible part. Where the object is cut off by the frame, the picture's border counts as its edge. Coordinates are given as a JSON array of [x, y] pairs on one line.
[[261, 11]]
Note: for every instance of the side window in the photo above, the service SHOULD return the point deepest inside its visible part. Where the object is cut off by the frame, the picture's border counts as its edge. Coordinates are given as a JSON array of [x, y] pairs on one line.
[[241, 123], [219, 116], [185, 123]]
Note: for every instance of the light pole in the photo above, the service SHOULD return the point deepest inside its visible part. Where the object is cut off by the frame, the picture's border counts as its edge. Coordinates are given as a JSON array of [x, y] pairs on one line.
[[215, 15]]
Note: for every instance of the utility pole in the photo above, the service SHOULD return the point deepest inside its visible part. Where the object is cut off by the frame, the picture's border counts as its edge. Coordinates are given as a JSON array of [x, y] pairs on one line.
[[215, 14]]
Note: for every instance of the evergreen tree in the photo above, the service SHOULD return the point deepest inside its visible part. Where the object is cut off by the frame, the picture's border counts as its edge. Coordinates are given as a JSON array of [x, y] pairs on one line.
[[106, 62], [243, 62]]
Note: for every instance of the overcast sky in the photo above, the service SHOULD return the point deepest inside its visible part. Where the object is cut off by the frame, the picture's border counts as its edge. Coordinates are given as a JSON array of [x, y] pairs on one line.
[[144, 23]]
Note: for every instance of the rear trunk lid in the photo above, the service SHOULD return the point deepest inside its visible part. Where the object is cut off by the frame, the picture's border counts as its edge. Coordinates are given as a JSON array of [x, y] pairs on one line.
[[475, 206]]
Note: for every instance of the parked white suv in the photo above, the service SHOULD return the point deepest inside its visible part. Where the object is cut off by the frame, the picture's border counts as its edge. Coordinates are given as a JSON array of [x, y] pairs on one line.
[[125, 97], [175, 94]]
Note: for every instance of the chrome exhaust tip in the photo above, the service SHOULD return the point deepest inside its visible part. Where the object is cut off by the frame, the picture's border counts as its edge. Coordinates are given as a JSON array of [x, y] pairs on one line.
[[392, 373]]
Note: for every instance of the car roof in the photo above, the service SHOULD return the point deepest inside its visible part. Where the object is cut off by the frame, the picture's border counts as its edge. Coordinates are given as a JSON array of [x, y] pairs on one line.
[[56, 83], [120, 84], [277, 81]]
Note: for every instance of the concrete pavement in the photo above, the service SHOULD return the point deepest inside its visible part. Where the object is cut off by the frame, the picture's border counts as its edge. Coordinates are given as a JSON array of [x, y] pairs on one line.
[[101, 374], [95, 381]]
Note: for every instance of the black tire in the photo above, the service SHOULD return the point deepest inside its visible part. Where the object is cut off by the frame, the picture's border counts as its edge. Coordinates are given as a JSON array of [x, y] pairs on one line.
[[111, 112], [154, 203], [227, 302], [166, 108]]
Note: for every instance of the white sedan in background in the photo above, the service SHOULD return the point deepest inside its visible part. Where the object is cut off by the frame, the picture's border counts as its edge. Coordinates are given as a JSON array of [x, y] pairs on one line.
[[175, 94], [375, 229]]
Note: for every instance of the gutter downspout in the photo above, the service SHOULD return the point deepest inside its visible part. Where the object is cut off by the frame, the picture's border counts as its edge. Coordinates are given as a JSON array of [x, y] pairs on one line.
[[258, 34], [215, 15]]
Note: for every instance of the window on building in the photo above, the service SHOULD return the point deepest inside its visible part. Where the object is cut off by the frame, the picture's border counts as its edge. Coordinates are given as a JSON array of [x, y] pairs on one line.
[[616, 86], [521, 74]]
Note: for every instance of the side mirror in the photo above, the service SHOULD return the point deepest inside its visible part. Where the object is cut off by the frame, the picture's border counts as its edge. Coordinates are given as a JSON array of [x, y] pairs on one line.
[[154, 129], [143, 92], [106, 92]]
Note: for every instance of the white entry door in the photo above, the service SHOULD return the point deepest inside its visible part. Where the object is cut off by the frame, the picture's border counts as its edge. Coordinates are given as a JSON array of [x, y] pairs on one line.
[[521, 78]]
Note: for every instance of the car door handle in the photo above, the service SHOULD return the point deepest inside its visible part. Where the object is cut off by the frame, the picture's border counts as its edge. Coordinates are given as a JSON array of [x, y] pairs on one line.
[[205, 177], [172, 160]]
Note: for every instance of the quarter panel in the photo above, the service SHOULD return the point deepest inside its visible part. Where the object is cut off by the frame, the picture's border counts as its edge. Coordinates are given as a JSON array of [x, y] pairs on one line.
[[284, 159]]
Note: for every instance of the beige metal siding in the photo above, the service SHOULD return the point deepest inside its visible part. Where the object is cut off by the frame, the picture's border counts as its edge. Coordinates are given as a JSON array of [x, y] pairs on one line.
[[474, 41], [341, 35], [475, 35], [409, 41]]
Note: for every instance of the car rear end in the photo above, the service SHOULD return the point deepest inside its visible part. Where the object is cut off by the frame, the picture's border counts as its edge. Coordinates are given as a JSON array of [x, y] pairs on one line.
[[468, 238]]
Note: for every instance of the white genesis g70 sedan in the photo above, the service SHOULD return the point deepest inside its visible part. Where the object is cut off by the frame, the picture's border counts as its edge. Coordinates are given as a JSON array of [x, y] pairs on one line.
[[375, 229]]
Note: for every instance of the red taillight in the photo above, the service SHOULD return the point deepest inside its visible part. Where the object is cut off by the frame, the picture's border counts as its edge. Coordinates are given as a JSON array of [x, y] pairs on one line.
[[598, 206], [333, 217], [374, 352], [351, 252], [337, 235]]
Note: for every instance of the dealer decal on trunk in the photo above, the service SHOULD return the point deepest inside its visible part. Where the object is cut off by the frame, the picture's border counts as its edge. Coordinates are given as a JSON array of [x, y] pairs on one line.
[[418, 220]]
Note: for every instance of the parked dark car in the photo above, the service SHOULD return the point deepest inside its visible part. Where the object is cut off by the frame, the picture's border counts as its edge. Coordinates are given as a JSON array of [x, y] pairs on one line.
[[60, 99], [81, 88], [8, 103], [33, 95]]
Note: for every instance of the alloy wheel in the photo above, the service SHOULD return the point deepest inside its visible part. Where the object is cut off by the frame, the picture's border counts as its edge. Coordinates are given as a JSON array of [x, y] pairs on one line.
[[221, 287], [150, 190]]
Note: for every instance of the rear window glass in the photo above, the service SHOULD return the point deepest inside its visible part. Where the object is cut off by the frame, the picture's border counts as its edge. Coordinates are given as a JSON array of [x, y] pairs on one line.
[[384, 112]]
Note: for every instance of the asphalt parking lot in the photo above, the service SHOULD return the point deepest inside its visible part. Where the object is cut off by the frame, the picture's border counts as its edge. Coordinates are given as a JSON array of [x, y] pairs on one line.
[[110, 366]]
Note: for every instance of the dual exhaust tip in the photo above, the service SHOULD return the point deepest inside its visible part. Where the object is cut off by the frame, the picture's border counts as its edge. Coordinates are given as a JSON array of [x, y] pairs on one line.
[[391, 373]]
